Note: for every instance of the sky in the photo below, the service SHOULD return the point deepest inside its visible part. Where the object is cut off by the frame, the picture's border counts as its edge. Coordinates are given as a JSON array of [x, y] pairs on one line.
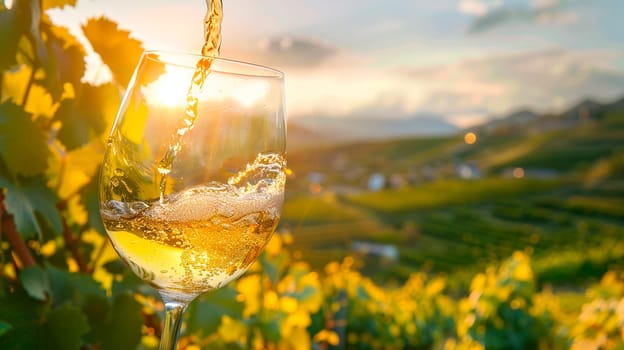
[[463, 60]]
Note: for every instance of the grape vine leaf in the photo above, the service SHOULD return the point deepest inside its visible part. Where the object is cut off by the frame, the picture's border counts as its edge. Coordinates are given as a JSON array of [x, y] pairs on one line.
[[27, 198], [65, 62], [91, 201], [65, 327], [4, 327], [48, 4], [14, 82], [36, 282], [22, 143], [31, 9], [40, 103], [80, 167], [204, 315], [74, 131], [126, 322], [114, 326], [117, 49], [74, 288], [87, 115], [23, 314], [11, 27]]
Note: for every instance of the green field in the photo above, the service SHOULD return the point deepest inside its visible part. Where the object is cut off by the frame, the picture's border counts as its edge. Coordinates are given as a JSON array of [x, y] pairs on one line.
[[571, 222]]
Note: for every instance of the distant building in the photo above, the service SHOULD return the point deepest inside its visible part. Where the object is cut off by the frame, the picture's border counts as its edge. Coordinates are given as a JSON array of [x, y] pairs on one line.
[[376, 182], [397, 181], [388, 251], [468, 171]]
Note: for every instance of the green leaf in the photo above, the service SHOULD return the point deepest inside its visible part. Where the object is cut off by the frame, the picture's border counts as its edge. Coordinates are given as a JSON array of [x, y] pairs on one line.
[[204, 314], [65, 60], [74, 130], [22, 143], [36, 282], [31, 10], [91, 201], [74, 288], [24, 199], [126, 316], [98, 312], [274, 267], [99, 105], [23, 314], [12, 27], [48, 4], [115, 267], [270, 326], [87, 115], [65, 327], [130, 283], [4, 327], [114, 326], [117, 49]]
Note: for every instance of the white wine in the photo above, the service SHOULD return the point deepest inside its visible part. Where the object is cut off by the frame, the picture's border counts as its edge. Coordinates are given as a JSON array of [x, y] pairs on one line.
[[203, 237], [210, 49]]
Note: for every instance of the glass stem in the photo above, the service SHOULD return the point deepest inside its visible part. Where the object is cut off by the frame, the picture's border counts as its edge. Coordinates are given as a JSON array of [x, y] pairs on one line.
[[174, 310]]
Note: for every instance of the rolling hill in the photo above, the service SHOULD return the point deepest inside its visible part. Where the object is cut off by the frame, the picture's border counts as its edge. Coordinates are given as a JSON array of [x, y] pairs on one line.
[[565, 200]]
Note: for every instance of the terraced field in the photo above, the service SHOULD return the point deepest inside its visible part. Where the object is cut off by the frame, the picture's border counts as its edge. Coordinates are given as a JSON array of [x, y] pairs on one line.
[[571, 222]]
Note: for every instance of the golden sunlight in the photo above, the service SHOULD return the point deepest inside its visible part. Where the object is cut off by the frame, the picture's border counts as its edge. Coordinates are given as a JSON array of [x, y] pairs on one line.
[[169, 90], [246, 93]]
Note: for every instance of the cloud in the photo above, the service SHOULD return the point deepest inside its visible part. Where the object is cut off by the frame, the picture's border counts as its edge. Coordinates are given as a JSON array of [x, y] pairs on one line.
[[473, 7], [546, 80], [536, 11], [466, 92], [291, 51]]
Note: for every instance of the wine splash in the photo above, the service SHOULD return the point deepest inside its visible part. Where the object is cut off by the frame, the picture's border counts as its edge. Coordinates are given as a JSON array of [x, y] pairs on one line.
[[212, 44], [204, 236]]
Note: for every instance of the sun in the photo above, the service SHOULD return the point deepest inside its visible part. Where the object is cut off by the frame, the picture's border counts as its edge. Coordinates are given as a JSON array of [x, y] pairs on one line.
[[169, 90]]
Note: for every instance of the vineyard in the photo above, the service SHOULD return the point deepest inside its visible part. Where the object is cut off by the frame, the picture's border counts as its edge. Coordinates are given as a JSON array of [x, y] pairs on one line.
[[495, 262]]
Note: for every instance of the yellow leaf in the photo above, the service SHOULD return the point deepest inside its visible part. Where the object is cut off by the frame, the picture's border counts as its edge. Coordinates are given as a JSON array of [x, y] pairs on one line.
[[523, 272], [14, 83], [80, 165], [40, 103], [48, 249], [274, 246], [248, 288], [103, 247], [232, 330], [478, 282], [76, 211], [271, 300], [297, 339], [436, 286], [288, 304], [150, 341]]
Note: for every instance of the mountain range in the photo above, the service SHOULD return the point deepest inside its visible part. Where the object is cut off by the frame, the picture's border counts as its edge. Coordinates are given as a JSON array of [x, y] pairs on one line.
[[322, 130], [326, 130]]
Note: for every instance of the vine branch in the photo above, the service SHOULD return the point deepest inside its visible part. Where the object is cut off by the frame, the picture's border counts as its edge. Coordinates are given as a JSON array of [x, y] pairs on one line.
[[13, 237], [73, 243]]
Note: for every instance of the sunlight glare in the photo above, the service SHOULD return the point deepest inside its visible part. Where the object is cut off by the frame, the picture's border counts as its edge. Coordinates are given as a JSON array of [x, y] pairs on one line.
[[170, 89], [249, 94], [246, 93]]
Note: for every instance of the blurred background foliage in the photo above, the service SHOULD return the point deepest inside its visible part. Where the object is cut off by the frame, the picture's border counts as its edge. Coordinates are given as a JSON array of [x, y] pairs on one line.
[[62, 286]]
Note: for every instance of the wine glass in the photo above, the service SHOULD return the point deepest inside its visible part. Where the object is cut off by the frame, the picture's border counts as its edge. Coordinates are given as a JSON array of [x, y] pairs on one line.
[[192, 183]]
